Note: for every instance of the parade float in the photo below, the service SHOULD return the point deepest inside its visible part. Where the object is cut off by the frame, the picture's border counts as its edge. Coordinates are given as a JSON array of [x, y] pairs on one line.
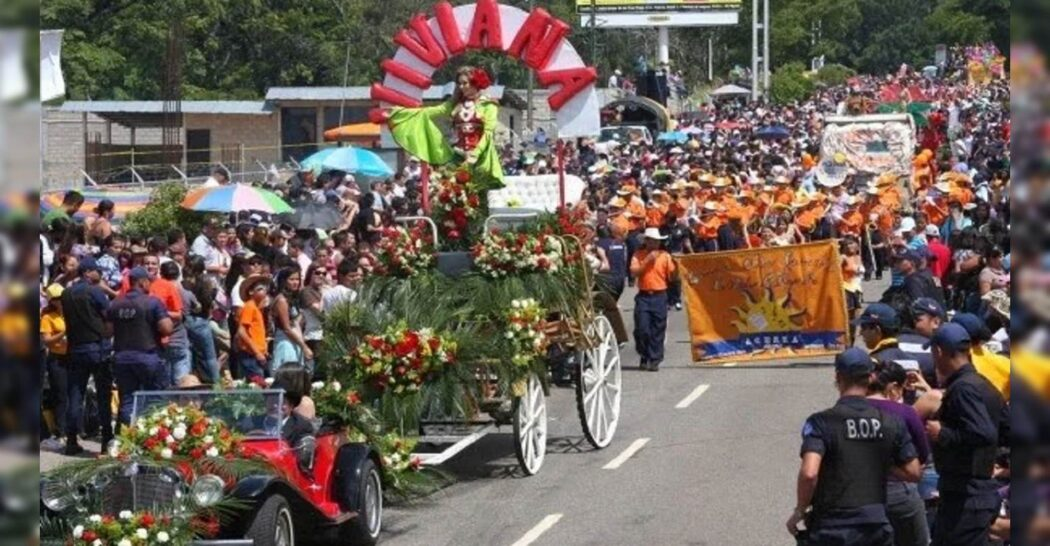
[[455, 339]]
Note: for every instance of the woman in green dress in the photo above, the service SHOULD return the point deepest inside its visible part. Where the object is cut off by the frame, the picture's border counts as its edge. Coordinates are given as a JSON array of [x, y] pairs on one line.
[[473, 118]]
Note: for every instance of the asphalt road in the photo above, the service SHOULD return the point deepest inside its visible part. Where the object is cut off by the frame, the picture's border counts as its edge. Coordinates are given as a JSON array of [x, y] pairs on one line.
[[718, 472]]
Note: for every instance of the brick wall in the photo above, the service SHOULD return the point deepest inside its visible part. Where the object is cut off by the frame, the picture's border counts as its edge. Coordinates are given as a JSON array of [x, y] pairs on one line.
[[63, 144], [259, 135]]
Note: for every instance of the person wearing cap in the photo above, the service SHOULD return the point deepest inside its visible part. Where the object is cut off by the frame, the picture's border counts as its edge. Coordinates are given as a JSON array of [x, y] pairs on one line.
[[139, 321], [53, 335], [995, 368], [926, 315], [251, 327], [84, 305], [879, 326], [848, 453], [940, 256], [653, 267], [916, 281], [965, 436]]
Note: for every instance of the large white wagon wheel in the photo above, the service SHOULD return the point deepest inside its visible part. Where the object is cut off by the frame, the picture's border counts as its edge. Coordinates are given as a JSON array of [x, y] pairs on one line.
[[599, 387], [530, 426]]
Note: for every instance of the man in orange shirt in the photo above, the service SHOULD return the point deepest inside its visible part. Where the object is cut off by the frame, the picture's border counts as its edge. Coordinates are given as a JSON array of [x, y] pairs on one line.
[[653, 267], [251, 328]]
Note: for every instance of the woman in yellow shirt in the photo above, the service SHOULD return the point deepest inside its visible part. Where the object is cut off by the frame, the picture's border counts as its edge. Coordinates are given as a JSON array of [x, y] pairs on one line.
[[53, 336]]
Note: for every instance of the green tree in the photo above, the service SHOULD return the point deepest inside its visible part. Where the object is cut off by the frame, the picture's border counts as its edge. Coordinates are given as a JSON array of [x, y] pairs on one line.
[[164, 213], [790, 84]]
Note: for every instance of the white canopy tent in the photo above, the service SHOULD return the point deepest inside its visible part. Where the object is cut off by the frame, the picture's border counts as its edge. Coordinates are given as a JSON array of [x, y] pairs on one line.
[[730, 90]]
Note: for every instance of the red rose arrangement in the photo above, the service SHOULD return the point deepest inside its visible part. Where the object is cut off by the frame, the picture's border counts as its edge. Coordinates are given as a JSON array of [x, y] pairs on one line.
[[480, 79], [455, 205], [131, 529], [404, 252], [503, 254], [176, 433], [401, 360]]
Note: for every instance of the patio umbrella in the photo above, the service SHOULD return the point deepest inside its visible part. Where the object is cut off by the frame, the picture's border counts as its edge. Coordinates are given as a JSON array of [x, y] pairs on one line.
[[694, 130], [773, 132], [124, 202], [235, 198], [348, 159], [676, 137], [310, 215]]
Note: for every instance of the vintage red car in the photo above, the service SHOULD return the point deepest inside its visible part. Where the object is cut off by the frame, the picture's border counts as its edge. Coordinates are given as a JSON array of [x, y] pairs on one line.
[[323, 490]]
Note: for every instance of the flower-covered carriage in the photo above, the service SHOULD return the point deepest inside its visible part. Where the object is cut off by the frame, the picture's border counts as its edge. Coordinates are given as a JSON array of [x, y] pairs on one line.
[[455, 344]]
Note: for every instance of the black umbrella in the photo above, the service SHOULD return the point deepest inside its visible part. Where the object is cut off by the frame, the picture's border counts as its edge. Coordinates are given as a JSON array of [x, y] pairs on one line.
[[311, 215]]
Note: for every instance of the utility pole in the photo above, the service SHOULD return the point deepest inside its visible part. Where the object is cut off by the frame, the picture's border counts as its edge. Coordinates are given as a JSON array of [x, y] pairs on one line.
[[528, 93], [754, 50], [594, 32], [765, 50]]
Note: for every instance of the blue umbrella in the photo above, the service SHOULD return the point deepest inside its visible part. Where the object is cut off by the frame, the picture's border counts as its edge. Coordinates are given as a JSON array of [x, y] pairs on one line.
[[348, 159], [676, 137], [773, 132]]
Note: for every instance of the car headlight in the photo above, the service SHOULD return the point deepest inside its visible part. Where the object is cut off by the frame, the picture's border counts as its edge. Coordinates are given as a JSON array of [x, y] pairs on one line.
[[207, 490], [57, 496]]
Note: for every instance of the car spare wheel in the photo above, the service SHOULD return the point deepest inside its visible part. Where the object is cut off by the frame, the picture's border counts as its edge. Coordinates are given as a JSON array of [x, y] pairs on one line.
[[273, 525]]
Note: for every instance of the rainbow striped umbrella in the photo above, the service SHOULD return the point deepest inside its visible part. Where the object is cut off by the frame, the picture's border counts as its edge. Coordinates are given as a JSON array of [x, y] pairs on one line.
[[235, 198], [124, 202]]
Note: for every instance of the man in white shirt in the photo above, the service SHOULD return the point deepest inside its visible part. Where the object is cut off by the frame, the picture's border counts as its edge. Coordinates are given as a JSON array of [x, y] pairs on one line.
[[206, 247], [348, 277], [414, 170]]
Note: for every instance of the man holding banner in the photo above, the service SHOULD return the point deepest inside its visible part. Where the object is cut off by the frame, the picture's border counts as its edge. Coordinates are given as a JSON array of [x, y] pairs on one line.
[[653, 267]]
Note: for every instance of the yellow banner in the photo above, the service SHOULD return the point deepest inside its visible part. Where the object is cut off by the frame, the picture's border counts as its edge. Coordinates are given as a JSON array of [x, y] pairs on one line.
[[765, 303], [606, 6]]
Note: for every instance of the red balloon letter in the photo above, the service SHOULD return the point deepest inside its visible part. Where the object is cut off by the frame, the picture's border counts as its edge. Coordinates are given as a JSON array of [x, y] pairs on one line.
[[449, 30], [406, 73], [383, 93], [538, 39], [423, 44], [572, 80], [486, 31]]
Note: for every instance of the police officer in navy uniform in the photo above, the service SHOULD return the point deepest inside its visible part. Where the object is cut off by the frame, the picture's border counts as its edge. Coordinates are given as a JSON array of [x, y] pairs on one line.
[[879, 327], [139, 321], [965, 437], [926, 316], [848, 451]]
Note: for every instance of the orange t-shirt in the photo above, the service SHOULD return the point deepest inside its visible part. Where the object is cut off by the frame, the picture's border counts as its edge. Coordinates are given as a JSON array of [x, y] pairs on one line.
[[654, 217], [620, 225], [936, 213], [252, 321], [169, 294], [637, 210], [656, 276], [852, 223]]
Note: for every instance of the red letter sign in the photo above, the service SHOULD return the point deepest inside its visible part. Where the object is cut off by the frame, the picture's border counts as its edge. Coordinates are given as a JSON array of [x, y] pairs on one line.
[[538, 38], [486, 31], [383, 93], [572, 80], [423, 45], [449, 30], [406, 73]]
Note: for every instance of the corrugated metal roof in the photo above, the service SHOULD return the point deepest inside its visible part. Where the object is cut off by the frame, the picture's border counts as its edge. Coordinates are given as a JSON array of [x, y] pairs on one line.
[[435, 92], [247, 107]]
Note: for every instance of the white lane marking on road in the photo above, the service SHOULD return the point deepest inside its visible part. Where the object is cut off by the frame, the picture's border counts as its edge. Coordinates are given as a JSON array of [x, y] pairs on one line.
[[540, 528], [730, 364], [701, 389], [627, 453]]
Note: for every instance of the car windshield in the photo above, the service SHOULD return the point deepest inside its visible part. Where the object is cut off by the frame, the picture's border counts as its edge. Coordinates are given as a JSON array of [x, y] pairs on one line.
[[255, 413]]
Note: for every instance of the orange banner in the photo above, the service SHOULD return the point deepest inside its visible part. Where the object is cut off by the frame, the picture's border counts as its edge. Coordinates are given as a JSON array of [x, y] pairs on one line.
[[765, 303]]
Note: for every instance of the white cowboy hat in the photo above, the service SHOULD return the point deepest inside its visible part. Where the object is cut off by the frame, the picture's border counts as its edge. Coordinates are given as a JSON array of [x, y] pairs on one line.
[[830, 182], [943, 187], [712, 206], [654, 233]]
